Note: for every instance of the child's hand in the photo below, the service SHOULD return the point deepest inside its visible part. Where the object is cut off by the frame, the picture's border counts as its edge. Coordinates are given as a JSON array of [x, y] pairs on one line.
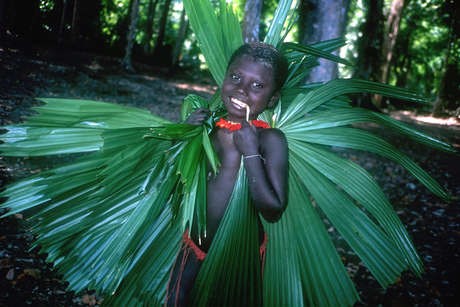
[[198, 116], [246, 140]]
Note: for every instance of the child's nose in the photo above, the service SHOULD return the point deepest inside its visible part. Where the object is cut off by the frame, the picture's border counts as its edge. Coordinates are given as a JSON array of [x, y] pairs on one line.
[[243, 88]]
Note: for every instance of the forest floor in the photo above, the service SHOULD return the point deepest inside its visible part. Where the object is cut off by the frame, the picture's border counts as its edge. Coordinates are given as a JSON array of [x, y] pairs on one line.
[[27, 280]]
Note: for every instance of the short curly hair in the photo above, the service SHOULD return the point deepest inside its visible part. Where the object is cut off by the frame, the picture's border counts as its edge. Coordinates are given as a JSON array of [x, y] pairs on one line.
[[267, 54]]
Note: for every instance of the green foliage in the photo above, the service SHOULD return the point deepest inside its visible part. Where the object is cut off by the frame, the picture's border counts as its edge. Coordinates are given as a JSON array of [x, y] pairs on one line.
[[425, 27], [113, 219], [268, 11], [217, 45], [117, 205], [114, 16], [419, 58], [338, 187], [423, 41], [46, 5], [236, 239]]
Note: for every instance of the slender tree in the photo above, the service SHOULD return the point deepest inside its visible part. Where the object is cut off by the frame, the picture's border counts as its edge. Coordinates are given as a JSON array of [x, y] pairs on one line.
[[159, 44], [75, 20], [62, 21], [403, 61], [369, 46], [251, 22], [86, 25], [448, 89], [370, 42], [2, 17], [322, 20], [181, 35], [151, 10], [391, 32], [134, 16], [441, 96]]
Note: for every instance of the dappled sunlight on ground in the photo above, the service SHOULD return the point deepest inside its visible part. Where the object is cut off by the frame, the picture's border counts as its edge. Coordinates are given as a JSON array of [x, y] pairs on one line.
[[195, 87], [428, 119], [444, 128]]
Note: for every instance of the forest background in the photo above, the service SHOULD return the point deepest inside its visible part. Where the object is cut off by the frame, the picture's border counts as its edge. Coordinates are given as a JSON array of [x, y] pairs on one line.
[[143, 53], [409, 43]]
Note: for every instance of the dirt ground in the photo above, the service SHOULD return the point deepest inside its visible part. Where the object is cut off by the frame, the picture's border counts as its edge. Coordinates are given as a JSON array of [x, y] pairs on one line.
[[26, 279]]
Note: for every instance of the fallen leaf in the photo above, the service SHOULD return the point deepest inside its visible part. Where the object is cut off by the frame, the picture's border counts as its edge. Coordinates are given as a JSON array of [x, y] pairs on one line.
[[35, 273], [89, 299], [10, 274]]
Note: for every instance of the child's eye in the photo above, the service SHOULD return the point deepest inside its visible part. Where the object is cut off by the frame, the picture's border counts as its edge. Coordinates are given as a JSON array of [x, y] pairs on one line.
[[257, 85], [235, 77]]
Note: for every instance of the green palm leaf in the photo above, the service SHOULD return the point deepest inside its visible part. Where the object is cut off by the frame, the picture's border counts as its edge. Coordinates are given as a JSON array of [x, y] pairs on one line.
[[299, 50], [294, 274], [306, 110], [218, 34], [347, 116], [303, 58], [361, 187], [362, 140], [308, 101], [85, 210], [234, 248], [89, 113], [64, 126], [283, 12], [112, 220]]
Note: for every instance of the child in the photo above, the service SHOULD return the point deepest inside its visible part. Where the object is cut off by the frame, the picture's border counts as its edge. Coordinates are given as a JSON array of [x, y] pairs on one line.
[[254, 77]]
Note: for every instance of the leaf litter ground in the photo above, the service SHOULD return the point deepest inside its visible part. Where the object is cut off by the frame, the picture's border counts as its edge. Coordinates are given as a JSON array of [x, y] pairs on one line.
[[25, 277]]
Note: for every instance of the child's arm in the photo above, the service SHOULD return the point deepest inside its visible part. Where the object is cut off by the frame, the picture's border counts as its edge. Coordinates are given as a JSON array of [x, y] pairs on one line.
[[266, 162]]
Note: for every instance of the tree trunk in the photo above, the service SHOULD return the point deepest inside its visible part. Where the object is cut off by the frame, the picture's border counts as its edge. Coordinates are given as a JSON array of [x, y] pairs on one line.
[[322, 20], [181, 35], [151, 10], [162, 24], [440, 101], [370, 43], [163, 54], [403, 61], [2, 18], [251, 22], [369, 49], [74, 21], [389, 40], [62, 22], [127, 59]]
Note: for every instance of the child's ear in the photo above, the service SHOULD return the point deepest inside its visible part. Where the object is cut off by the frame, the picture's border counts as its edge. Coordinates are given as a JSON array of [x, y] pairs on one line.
[[274, 99]]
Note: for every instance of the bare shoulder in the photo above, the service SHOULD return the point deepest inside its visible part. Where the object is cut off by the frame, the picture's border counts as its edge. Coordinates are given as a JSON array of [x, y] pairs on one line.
[[272, 134], [273, 140]]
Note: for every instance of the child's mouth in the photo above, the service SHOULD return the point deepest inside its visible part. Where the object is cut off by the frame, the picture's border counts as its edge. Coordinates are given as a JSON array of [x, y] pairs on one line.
[[240, 105]]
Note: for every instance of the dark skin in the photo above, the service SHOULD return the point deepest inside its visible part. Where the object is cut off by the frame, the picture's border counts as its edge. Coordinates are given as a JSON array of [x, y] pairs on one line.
[[251, 82]]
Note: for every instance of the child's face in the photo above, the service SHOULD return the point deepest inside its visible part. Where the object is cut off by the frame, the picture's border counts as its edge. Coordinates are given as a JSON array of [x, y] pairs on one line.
[[250, 82]]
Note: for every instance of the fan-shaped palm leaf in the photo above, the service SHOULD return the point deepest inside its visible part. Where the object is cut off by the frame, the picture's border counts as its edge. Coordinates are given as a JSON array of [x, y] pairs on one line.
[[339, 187], [112, 220]]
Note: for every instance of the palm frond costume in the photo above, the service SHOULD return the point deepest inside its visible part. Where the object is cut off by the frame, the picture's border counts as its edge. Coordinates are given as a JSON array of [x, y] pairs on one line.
[[113, 219]]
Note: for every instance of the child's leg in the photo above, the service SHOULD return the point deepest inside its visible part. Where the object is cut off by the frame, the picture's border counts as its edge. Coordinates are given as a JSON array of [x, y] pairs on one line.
[[183, 277]]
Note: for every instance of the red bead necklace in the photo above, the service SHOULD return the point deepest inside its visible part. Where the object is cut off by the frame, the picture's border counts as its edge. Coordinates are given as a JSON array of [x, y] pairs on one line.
[[232, 126]]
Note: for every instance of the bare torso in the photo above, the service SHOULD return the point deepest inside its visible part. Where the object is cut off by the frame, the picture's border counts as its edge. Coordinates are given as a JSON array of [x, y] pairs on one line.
[[220, 186]]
